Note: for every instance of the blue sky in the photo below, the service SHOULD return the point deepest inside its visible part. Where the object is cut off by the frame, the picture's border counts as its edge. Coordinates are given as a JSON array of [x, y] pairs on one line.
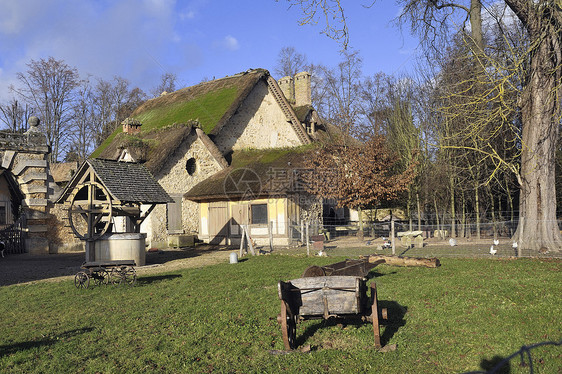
[[195, 39]]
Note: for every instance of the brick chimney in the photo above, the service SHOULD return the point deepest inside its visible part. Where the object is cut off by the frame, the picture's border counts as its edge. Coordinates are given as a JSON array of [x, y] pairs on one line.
[[131, 126], [302, 89], [287, 85]]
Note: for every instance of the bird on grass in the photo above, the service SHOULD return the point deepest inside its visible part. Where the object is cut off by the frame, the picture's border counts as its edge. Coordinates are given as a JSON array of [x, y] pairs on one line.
[[492, 250]]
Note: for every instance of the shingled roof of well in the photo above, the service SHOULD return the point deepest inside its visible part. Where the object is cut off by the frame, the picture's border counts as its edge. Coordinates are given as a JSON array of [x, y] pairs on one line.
[[129, 182]]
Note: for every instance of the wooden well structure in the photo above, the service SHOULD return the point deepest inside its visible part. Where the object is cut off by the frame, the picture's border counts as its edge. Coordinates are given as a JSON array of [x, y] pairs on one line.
[[104, 189]]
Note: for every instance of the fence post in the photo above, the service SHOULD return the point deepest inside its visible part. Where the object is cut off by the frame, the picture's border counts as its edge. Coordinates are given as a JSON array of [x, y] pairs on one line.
[[242, 246], [302, 231], [392, 237], [522, 223], [307, 241], [270, 229]]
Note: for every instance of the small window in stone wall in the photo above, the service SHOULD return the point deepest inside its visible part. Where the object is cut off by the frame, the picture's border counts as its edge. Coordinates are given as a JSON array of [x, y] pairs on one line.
[[191, 166]]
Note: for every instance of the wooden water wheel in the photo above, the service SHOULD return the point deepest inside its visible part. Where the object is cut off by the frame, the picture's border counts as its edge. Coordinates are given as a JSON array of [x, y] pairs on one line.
[[90, 211]]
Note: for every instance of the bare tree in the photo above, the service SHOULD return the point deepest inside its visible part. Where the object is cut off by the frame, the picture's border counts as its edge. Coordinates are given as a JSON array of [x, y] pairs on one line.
[[103, 111], [82, 132], [375, 105], [14, 115], [49, 86], [341, 88], [539, 100], [125, 99], [290, 62], [167, 84]]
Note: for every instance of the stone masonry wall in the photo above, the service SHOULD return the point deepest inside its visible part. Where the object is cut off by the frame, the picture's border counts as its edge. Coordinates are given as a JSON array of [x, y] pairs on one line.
[[176, 180], [259, 124]]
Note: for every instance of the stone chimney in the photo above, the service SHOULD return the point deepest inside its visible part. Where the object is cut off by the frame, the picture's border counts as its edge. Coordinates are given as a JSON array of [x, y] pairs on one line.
[[302, 89], [288, 87], [131, 126]]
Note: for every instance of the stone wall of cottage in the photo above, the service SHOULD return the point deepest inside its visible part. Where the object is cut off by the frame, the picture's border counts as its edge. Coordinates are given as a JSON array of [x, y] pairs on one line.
[[176, 180], [259, 123]]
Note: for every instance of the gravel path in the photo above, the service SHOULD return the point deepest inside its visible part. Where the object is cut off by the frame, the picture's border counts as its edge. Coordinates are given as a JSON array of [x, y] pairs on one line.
[[24, 268]]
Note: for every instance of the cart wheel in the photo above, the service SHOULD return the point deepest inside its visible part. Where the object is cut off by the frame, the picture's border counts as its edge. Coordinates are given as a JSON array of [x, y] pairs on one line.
[[123, 276], [115, 276], [288, 326], [81, 280], [130, 276], [101, 277]]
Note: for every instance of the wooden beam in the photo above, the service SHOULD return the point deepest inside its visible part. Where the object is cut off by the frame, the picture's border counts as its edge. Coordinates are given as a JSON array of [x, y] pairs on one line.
[[405, 261]]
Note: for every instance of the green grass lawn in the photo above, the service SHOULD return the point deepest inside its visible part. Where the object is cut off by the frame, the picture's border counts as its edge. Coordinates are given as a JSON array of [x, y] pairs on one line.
[[222, 318]]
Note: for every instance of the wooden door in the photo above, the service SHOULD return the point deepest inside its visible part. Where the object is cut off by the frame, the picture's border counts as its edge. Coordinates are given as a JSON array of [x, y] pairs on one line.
[[174, 218], [218, 223], [239, 217]]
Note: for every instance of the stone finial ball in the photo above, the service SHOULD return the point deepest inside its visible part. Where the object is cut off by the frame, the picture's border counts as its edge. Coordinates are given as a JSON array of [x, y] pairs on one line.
[[33, 121]]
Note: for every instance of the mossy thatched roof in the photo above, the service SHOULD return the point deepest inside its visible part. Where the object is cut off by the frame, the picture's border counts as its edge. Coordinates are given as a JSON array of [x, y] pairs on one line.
[[265, 173], [152, 148], [211, 104]]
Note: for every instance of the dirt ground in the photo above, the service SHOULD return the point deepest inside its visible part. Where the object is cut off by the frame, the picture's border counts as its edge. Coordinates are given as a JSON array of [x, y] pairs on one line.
[[24, 268]]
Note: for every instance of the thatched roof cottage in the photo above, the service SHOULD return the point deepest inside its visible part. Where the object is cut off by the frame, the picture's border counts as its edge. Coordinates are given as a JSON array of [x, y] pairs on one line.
[[227, 152]]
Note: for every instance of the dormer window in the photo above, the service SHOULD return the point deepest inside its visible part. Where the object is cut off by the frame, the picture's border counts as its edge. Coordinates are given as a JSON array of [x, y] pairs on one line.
[[126, 156]]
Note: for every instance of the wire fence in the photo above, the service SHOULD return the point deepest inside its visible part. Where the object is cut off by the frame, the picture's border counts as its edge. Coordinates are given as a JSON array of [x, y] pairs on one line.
[[413, 239]]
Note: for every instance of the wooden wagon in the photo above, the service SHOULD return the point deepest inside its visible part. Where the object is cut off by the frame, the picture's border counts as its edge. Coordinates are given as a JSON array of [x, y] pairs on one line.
[[118, 272], [323, 297]]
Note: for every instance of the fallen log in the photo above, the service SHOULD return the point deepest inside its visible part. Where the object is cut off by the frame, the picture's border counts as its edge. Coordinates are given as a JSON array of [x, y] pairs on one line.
[[404, 261], [358, 268]]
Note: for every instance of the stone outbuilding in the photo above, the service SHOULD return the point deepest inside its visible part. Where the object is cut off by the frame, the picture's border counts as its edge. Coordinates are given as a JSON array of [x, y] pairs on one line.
[[227, 152]]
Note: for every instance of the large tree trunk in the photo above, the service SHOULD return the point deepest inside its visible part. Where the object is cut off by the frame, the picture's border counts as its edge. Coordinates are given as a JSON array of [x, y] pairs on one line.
[[540, 110], [453, 213]]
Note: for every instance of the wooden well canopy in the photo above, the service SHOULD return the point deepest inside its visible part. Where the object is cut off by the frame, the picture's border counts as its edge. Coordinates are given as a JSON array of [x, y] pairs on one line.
[[103, 189]]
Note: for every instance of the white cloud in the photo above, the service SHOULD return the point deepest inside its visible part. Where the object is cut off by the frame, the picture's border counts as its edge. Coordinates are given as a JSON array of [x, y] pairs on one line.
[[102, 38], [187, 15], [229, 42]]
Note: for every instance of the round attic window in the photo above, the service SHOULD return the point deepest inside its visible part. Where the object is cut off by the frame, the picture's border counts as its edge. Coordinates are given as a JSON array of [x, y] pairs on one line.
[[191, 166]]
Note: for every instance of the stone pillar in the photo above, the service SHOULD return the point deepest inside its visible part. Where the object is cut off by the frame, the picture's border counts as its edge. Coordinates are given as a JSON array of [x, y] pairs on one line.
[[25, 155], [303, 95], [288, 87]]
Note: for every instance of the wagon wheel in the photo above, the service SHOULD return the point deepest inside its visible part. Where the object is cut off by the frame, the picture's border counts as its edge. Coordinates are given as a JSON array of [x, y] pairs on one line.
[[123, 275], [90, 211], [101, 277], [115, 276], [130, 276], [288, 326], [81, 280]]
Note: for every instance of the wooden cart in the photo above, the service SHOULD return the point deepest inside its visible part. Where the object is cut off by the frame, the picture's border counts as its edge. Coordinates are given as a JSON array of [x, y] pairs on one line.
[[119, 272], [325, 297]]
